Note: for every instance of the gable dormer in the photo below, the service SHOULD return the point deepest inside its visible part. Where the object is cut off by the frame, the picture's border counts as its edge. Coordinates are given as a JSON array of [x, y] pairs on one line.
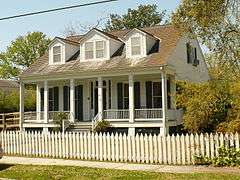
[[138, 43], [98, 45], [61, 50]]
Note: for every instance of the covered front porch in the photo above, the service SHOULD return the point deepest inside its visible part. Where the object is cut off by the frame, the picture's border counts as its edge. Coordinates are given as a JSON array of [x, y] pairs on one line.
[[132, 100]]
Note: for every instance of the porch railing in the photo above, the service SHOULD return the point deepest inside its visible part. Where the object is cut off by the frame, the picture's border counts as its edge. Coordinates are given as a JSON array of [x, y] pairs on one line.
[[33, 116], [148, 113], [116, 114]]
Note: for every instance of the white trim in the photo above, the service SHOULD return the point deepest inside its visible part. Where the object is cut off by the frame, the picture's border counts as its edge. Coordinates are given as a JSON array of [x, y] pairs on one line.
[[72, 100], [46, 102]]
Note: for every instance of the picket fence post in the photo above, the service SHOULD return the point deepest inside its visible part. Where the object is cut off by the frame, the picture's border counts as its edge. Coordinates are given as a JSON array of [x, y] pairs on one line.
[[171, 149]]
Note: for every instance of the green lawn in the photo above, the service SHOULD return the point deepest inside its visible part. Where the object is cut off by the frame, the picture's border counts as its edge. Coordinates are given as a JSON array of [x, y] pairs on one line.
[[62, 172]]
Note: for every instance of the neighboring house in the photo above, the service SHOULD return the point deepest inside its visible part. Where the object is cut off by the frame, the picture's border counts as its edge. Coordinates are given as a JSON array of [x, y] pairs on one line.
[[126, 77], [8, 85]]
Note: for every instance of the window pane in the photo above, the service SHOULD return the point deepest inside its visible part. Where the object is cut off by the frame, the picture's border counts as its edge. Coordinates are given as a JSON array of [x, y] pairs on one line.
[[157, 102], [99, 54], [57, 58], [99, 45], [100, 49], [136, 50], [135, 41], [89, 46], [88, 54], [157, 89], [56, 50], [126, 103]]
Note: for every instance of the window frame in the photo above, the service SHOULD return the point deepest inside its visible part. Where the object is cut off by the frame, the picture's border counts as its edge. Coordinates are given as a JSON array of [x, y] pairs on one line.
[[89, 50], [103, 49], [139, 46], [57, 54], [94, 50], [156, 96]]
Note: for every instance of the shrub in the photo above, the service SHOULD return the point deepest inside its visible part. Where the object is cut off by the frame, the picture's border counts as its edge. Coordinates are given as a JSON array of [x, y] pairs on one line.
[[102, 126], [58, 118], [227, 157]]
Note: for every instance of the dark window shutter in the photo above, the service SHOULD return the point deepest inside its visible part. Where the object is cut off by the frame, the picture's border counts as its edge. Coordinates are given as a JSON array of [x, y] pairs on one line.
[[120, 95], [56, 98], [188, 53], [92, 95], [66, 100], [169, 94], [137, 96], [149, 94], [42, 98], [79, 102], [50, 99], [195, 53]]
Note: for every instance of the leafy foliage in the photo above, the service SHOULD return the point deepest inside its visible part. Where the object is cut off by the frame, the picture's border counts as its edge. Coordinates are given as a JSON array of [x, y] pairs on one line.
[[9, 101], [227, 157], [102, 126], [22, 53], [143, 16], [206, 105], [216, 23], [58, 118]]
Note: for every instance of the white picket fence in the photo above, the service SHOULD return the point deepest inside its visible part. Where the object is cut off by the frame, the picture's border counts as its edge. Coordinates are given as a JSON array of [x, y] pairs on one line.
[[119, 148]]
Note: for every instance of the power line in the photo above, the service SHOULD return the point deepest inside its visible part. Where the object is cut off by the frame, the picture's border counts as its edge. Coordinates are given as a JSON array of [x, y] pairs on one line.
[[56, 9]]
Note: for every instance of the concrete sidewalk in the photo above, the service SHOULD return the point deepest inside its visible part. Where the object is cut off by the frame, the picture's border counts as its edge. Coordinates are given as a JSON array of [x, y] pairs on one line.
[[120, 166]]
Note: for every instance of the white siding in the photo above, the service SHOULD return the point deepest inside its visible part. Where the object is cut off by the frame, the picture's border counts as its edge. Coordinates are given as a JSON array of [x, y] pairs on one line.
[[143, 45], [185, 71], [67, 51], [92, 38], [150, 43], [70, 51], [57, 43], [114, 46]]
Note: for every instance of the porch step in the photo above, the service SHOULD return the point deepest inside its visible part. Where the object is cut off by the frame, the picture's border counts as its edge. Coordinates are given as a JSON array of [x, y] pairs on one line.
[[80, 127]]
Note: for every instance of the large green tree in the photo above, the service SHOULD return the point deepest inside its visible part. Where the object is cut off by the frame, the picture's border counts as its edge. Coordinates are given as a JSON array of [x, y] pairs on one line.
[[216, 23], [22, 53], [142, 16]]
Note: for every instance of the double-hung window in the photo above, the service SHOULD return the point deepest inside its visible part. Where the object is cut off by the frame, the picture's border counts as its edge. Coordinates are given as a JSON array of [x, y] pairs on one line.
[[56, 54], [157, 95], [153, 94], [135, 46], [89, 50], [95, 50], [100, 49]]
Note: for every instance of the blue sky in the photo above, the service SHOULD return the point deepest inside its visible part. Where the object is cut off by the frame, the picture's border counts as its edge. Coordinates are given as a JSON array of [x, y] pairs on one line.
[[54, 24]]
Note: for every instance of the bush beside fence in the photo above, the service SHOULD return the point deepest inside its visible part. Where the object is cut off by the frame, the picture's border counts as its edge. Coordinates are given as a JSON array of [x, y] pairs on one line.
[[118, 148]]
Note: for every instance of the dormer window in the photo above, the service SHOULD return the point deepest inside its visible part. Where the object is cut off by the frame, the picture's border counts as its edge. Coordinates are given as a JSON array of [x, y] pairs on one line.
[[100, 49], [95, 50], [56, 54], [135, 46], [89, 50]]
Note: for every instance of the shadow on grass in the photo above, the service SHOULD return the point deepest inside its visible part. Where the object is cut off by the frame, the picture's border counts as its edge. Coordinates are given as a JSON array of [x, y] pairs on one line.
[[5, 166]]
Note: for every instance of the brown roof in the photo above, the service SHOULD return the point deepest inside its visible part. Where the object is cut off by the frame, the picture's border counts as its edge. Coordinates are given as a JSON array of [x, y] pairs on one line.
[[168, 35], [8, 84], [68, 41]]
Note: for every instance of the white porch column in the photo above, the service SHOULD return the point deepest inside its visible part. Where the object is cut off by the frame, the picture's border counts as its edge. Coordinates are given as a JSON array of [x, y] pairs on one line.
[[21, 106], [38, 102], [72, 100], [131, 98], [100, 98], [45, 104], [164, 129]]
